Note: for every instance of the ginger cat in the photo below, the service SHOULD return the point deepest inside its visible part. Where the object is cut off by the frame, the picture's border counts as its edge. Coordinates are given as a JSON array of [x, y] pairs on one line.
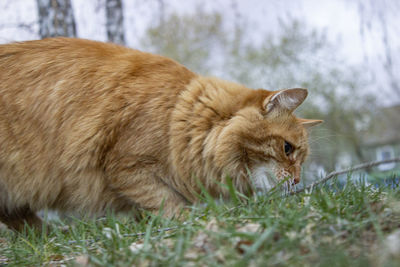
[[89, 126]]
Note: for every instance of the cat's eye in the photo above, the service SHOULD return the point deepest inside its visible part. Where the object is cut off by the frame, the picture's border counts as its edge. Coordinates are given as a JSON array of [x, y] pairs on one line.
[[288, 148]]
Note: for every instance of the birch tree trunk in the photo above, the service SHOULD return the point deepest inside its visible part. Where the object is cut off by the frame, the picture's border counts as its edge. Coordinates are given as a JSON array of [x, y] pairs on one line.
[[56, 18], [115, 22]]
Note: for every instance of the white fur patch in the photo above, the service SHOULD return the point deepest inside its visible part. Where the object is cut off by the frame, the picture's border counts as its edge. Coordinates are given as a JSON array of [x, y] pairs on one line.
[[264, 178]]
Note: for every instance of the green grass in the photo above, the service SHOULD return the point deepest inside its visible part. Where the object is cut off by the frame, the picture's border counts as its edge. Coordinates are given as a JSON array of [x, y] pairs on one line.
[[330, 226]]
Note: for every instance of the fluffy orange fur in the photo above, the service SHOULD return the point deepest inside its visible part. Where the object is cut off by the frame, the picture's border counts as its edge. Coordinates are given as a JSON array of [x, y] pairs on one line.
[[90, 126]]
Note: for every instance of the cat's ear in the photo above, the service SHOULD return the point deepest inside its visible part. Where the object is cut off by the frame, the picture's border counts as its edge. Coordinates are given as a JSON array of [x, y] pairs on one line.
[[309, 123], [285, 100]]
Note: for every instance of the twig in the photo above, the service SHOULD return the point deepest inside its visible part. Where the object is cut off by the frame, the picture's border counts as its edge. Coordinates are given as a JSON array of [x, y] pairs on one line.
[[336, 173]]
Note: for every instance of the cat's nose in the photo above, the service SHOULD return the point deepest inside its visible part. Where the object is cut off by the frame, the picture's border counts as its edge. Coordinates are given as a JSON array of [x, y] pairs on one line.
[[296, 171]]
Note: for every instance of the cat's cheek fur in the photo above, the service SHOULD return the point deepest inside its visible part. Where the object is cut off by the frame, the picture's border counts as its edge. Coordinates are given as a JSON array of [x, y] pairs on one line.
[[263, 178]]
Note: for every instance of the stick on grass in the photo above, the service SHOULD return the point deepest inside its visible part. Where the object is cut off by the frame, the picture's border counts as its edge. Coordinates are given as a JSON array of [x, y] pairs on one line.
[[355, 168]]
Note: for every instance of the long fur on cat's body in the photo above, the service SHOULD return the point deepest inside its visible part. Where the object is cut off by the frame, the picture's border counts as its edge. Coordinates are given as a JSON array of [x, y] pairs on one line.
[[86, 126]]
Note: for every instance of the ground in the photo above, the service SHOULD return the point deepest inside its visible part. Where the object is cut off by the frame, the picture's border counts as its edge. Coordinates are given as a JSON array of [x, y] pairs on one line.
[[354, 225]]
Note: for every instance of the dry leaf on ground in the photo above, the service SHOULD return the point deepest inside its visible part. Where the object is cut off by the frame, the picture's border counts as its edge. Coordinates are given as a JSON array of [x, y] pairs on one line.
[[249, 228], [239, 243], [136, 247], [202, 242], [392, 244], [212, 225], [82, 260]]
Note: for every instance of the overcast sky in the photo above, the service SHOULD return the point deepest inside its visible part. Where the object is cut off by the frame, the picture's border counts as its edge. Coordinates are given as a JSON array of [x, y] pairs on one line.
[[340, 19]]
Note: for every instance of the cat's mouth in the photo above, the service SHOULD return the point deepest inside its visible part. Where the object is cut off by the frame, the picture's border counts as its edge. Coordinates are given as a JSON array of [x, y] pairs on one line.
[[264, 180]]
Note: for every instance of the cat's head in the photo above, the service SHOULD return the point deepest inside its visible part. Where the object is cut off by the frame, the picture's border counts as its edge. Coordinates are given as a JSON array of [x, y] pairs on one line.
[[266, 140]]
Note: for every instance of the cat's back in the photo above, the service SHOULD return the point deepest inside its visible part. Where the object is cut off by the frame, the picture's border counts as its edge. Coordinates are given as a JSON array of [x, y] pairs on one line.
[[64, 103], [69, 90], [34, 62], [43, 78]]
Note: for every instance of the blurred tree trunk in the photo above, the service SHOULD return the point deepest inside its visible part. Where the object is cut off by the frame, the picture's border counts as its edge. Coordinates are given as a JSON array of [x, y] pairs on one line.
[[115, 22], [56, 18], [161, 5]]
